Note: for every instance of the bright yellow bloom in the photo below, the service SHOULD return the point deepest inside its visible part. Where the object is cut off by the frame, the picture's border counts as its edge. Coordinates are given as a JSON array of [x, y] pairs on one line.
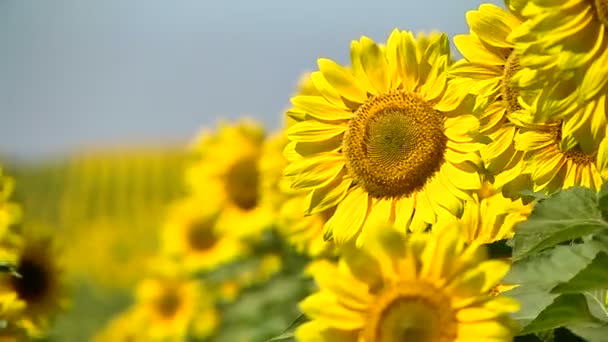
[[425, 288], [173, 307], [552, 168], [226, 171], [564, 58], [383, 141], [491, 216], [486, 72], [38, 287], [191, 236]]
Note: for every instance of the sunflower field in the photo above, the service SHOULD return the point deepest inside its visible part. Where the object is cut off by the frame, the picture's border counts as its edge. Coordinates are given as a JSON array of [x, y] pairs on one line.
[[409, 196]]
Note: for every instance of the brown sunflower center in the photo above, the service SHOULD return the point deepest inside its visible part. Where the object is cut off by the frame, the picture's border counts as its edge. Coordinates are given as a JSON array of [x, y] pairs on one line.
[[242, 183], [508, 92], [34, 283], [168, 304], [575, 154], [201, 236], [394, 144], [601, 6], [412, 312]]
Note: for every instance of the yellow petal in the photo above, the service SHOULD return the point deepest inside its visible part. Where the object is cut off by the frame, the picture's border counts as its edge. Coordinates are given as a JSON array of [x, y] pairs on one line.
[[349, 216], [342, 80], [319, 108], [310, 131], [375, 65], [323, 307]]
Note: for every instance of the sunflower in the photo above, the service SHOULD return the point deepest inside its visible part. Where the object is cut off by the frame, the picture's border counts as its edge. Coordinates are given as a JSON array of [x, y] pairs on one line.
[[486, 71], [551, 168], [173, 307], [37, 285], [190, 235], [226, 171], [491, 216], [564, 60], [384, 140], [426, 287]]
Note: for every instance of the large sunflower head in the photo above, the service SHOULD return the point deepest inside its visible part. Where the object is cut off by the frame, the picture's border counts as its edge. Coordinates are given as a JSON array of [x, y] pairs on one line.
[[226, 171], [190, 235], [563, 49], [383, 137], [425, 288], [38, 284], [172, 307]]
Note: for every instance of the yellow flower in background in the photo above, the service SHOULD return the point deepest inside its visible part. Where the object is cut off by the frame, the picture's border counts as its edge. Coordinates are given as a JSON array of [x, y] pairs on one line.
[[191, 236], [564, 58], [173, 307], [127, 326], [383, 140], [226, 171], [491, 216], [38, 286], [486, 71], [10, 213], [425, 288], [552, 168]]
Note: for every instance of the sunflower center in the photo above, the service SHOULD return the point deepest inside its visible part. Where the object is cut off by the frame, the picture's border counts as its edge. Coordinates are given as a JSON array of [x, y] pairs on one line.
[[412, 312], [601, 6], [242, 183], [201, 236], [508, 92], [394, 144], [34, 283], [575, 154], [168, 304]]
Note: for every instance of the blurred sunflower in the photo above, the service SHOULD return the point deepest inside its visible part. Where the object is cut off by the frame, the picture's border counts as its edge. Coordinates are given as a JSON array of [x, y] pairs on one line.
[[564, 59], [487, 68], [491, 216], [191, 236], [122, 328], [383, 140], [226, 171], [10, 213], [38, 285], [428, 287], [305, 233], [551, 168], [173, 307]]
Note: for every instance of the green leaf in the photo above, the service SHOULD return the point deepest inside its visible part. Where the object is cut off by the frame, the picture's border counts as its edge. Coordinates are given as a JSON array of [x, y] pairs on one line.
[[533, 301], [549, 224], [283, 337], [591, 334], [592, 277], [550, 268], [567, 309]]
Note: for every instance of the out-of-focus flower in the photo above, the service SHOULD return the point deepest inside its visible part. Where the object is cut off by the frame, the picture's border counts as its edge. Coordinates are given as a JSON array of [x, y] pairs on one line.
[[37, 286], [226, 171], [426, 287], [190, 235]]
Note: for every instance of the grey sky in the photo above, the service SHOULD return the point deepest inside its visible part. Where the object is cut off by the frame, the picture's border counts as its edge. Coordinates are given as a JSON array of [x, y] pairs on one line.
[[79, 73]]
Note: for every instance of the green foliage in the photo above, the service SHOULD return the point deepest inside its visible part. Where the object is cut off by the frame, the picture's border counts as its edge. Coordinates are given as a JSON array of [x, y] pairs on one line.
[[560, 261]]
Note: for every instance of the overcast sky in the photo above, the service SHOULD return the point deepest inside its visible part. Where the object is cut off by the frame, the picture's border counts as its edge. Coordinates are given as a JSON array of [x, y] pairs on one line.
[[77, 73]]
